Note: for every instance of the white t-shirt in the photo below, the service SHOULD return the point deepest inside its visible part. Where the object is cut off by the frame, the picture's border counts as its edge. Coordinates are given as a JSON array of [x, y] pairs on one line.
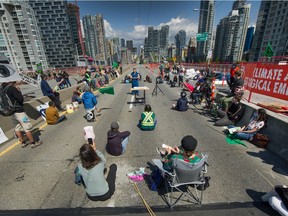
[[255, 124]]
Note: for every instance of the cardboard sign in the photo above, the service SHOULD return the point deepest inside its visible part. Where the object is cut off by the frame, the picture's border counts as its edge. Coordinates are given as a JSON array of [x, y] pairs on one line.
[[29, 80], [3, 137]]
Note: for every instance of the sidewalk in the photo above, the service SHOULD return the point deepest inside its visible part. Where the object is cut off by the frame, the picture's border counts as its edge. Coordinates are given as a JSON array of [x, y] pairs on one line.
[[221, 209]]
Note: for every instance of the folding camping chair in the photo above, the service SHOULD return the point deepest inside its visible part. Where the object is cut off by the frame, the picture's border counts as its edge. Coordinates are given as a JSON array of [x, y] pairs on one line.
[[184, 176]]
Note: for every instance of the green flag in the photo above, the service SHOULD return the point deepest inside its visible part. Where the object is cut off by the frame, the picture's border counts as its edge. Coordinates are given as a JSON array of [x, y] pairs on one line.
[[230, 139], [269, 51], [39, 69], [107, 90], [115, 65]]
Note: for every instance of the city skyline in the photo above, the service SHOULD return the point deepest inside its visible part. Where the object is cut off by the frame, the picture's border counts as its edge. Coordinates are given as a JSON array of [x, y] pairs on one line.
[[130, 19]]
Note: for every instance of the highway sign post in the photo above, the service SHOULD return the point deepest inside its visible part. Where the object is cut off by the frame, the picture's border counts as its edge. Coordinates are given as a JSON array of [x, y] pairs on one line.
[[202, 36]]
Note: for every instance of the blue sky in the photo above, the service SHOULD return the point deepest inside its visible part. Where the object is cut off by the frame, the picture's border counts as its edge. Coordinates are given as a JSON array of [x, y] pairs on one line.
[[129, 19]]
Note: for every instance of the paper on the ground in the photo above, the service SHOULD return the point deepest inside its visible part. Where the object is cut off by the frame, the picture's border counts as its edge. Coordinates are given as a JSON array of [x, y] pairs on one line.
[[3, 137], [232, 130]]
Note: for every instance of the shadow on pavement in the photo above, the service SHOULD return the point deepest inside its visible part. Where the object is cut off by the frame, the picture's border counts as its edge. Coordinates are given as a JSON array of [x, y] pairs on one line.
[[269, 158]]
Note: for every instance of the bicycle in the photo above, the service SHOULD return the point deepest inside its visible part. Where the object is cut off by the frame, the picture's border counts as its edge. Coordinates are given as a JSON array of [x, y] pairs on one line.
[[205, 100]]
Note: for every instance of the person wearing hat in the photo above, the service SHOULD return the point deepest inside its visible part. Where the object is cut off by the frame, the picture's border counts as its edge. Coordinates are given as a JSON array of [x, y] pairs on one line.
[[182, 103], [89, 101], [117, 141], [185, 152]]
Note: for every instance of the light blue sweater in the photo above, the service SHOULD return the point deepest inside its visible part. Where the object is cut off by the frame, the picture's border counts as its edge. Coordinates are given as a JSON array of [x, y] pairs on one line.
[[94, 179]]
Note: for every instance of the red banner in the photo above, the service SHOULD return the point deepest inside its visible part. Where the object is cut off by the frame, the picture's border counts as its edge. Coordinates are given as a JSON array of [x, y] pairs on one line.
[[266, 79]]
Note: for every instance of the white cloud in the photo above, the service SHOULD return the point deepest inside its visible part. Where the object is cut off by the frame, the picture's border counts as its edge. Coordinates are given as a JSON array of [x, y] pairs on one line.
[[140, 31]]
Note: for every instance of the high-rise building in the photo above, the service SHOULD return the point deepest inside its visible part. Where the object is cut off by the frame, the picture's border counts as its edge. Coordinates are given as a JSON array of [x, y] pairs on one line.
[[271, 27], [20, 39], [164, 36], [180, 41], [91, 44], [56, 34], [101, 55], [191, 49], [150, 38], [231, 34], [116, 41], [146, 47], [249, 38], [122, 42], [205, 25], [75, 26], [155, 40], [172, 51], [129, 45]]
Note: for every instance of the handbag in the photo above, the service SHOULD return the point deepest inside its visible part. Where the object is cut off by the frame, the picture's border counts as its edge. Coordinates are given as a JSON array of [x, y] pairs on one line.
[[260, 140]]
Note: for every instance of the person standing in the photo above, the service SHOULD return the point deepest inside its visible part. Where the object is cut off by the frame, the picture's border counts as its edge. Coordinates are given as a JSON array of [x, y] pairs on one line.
[[47, 91], [135, 80], [20, 117]]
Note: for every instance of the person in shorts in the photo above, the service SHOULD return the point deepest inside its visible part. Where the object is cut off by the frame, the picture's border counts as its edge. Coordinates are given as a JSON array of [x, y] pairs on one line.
[[20, 118]]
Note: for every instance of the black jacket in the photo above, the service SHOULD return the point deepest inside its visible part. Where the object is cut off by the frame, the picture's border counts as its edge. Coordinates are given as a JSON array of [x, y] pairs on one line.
[[114, 146], [15, 96], [182, 104]]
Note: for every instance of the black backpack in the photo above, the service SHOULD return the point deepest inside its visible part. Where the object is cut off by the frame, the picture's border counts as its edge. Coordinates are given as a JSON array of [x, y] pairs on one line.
[[6, 106]]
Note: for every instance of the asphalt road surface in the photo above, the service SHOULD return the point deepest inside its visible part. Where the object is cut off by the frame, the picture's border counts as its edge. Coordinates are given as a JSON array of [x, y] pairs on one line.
[[40, 181]]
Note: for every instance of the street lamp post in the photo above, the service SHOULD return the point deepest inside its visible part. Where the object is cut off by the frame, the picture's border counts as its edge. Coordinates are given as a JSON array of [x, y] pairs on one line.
[[211, 37]]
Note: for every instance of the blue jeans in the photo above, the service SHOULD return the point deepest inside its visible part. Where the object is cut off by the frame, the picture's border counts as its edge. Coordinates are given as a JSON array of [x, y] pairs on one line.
[[124, 144], [60, 119], [241, 135]]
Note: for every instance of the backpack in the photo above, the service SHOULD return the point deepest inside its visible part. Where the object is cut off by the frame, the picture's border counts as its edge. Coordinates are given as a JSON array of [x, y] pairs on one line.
[[260, 140], [156, 180], [6, 106]]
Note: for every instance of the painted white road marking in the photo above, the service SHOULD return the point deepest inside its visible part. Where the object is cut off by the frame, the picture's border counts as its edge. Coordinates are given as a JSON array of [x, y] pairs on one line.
[[131, 103]]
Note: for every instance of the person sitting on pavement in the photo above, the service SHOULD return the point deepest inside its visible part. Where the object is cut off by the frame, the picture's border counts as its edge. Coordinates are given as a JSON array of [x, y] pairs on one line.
[[148, 79], [148, 121], [233, 114], [76, 97], [182, 103], [236, 88], [185, 152], [197, 92], [257, 122], [91, 169], [278, 199], [89, 101], [52, 115], [117, 141]]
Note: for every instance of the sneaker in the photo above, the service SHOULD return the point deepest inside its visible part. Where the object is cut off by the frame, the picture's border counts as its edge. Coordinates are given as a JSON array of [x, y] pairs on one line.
[[24, 144], [33, 145], [158, 151]]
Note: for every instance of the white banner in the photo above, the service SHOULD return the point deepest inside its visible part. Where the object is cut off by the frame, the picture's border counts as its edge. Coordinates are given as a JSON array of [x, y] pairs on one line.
[[8, 73], [29, 80]]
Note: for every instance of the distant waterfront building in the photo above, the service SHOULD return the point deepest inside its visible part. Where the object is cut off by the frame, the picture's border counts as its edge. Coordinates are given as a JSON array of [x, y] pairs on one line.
[[191, 50], [206, 20], [52, 19], [91, 43], [155, 41], [180, 41], [75, 26], [271, 27], [20, 39], [116, 41], [249, 38], [172, 51], [231, 34]]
